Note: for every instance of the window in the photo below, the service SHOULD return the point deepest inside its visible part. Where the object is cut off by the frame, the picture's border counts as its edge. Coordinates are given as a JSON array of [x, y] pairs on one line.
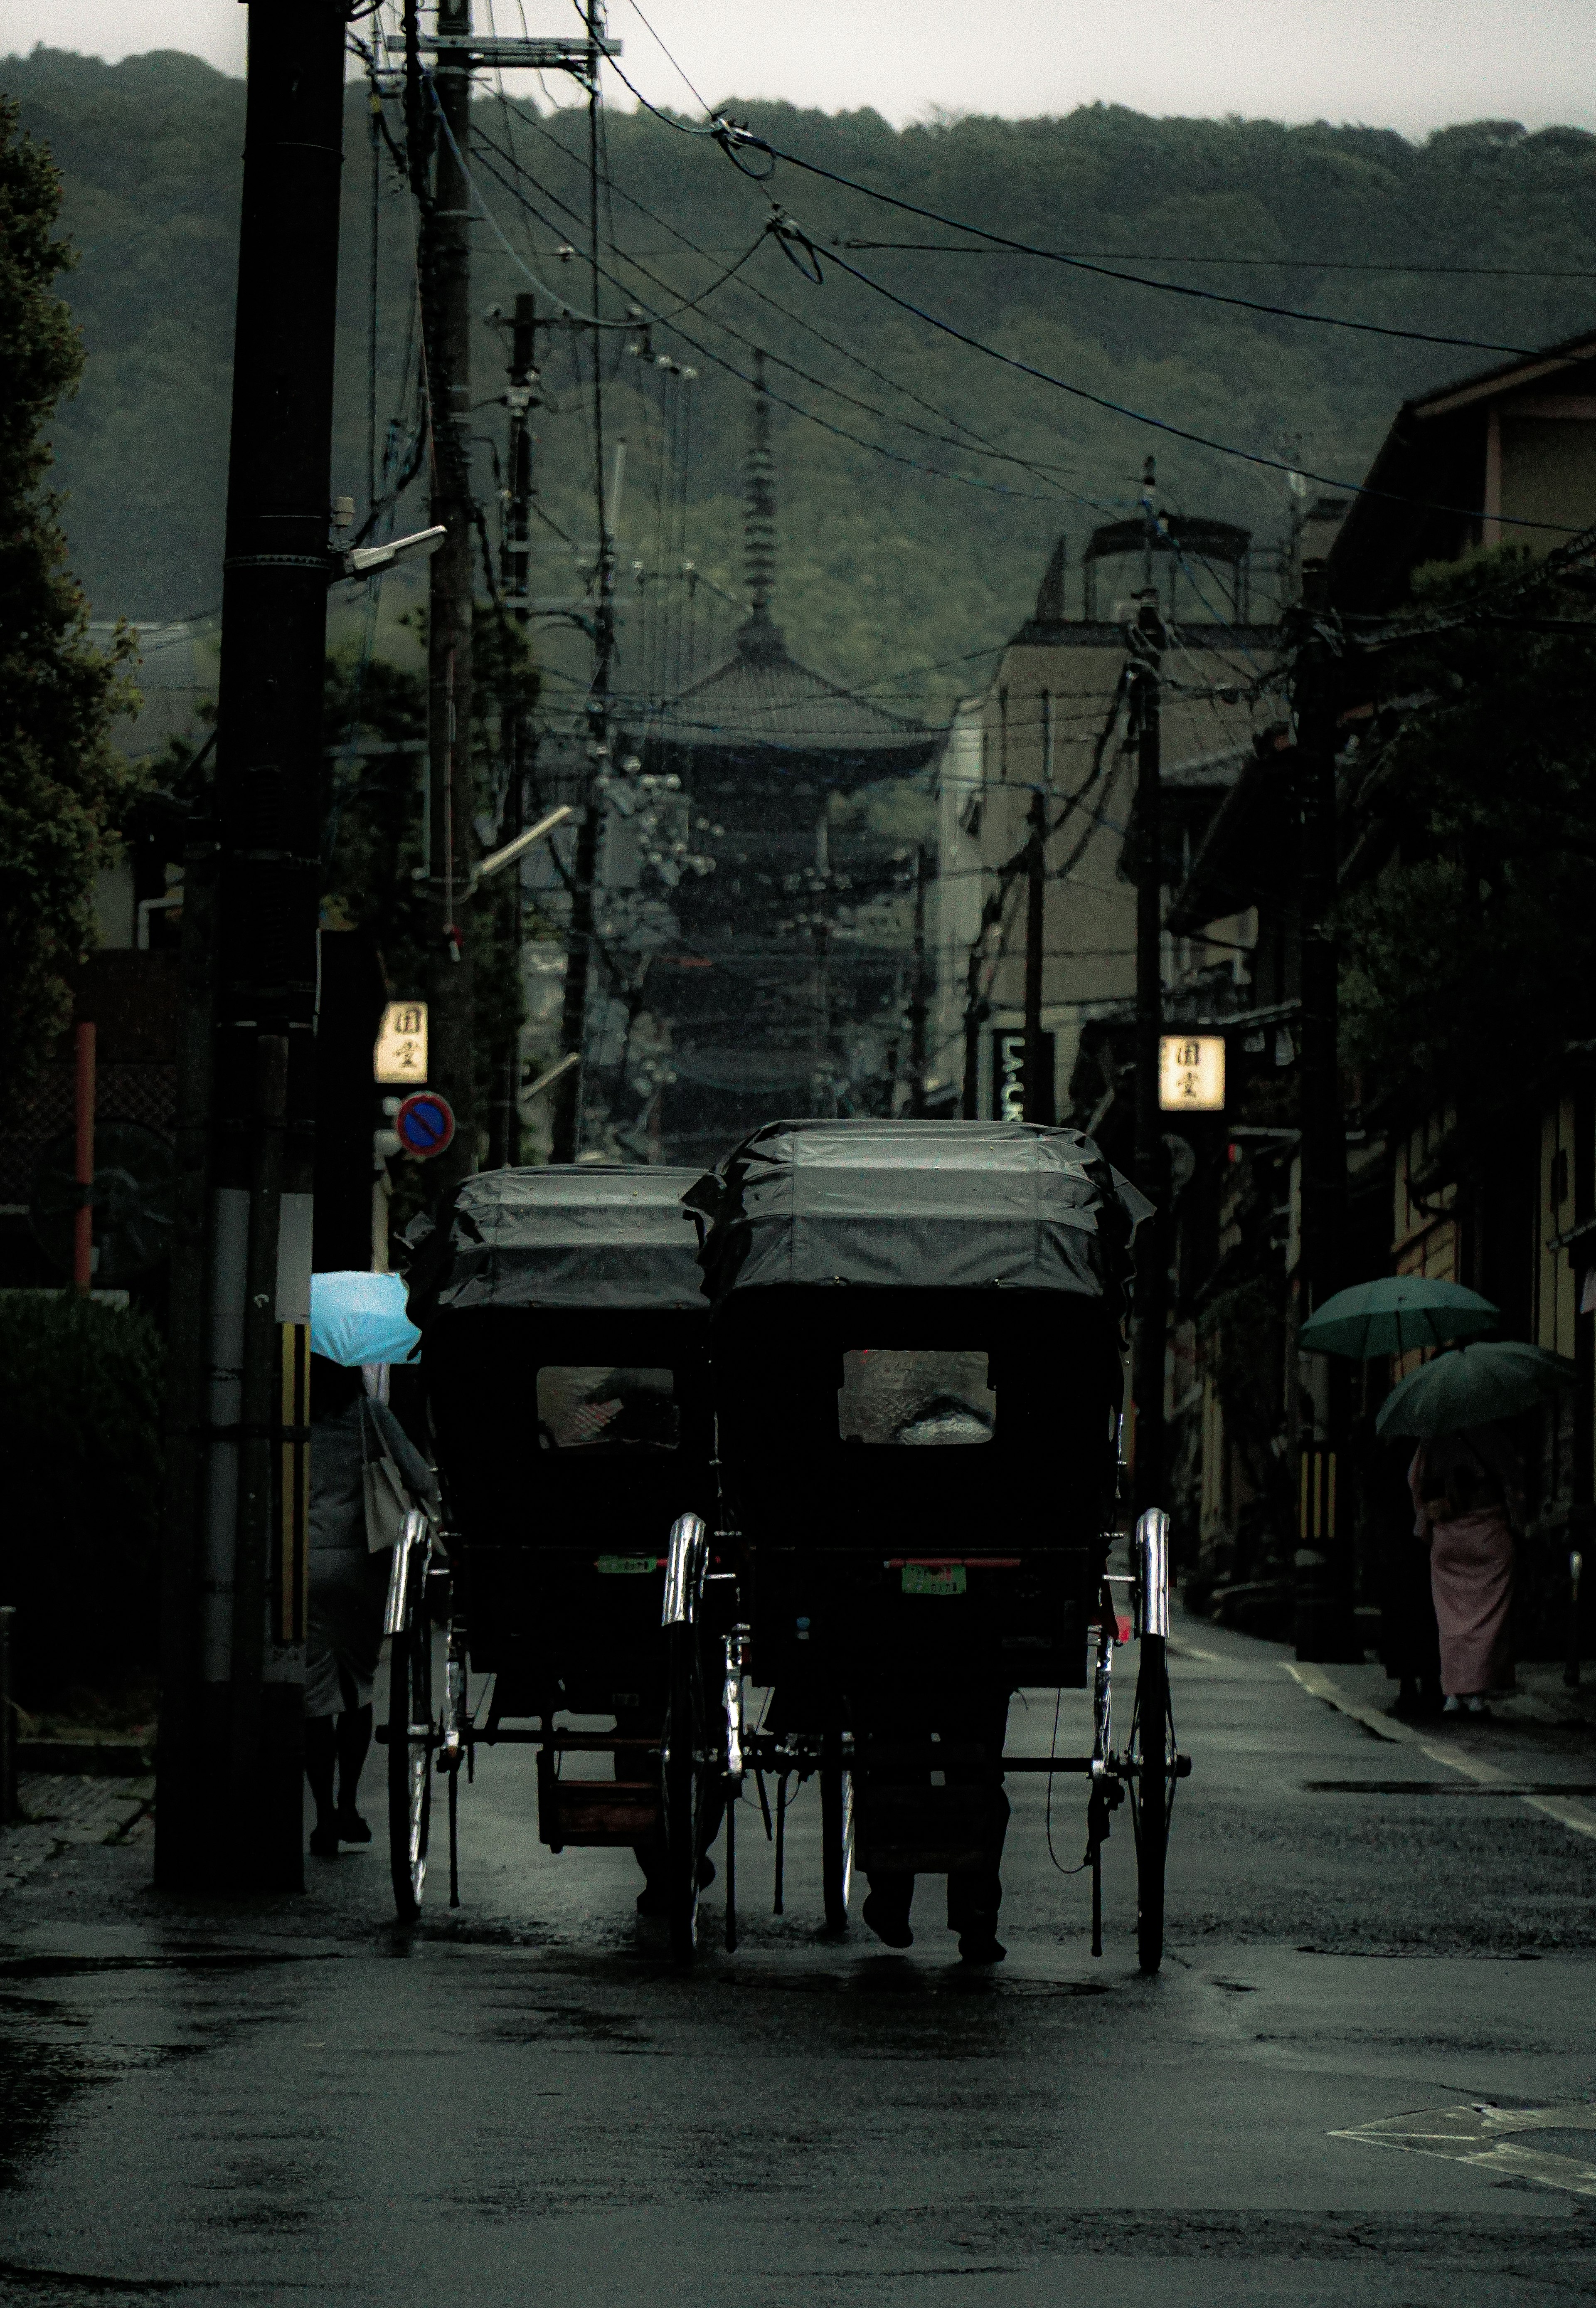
[[586, 1408], [915, 1395]]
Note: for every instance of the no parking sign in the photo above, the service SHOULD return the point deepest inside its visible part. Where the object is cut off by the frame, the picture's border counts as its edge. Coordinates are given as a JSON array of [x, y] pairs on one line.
[[424, 1124]]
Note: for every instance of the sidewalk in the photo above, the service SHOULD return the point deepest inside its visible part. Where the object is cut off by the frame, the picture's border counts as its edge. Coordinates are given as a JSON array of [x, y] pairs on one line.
[[1541, 1697], [60, 1810]]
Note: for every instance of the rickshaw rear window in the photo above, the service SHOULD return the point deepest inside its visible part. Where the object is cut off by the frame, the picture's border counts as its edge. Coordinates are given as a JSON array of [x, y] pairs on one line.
[[610, 1406], [915, 1395]]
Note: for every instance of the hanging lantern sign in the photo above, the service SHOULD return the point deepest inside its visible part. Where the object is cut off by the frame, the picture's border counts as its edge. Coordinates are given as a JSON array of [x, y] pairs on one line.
[[400, 1053], [1191, 1074]]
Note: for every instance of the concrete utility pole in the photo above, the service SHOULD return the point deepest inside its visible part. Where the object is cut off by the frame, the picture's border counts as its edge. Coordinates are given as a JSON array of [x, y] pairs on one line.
[[1039, 1086], [579, 963], [1152, 1279], [920, 1007], [451, 834], [234, 1559], [1325, 1623]]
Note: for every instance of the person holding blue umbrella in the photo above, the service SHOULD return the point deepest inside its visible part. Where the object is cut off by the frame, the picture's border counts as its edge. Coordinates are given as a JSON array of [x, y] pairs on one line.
[[361, 1458]]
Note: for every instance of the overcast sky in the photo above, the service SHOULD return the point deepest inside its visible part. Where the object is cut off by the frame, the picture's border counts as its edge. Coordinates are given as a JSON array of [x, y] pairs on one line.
[[1412, 65]]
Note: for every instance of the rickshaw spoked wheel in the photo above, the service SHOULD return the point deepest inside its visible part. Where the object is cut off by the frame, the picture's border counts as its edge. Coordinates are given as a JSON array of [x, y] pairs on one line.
[[684, 1779], [409, 1760], [1151, 1794], [837, 1831]]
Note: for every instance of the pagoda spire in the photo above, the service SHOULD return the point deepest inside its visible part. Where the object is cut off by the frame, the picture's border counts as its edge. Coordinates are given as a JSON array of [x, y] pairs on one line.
[[759, 635]]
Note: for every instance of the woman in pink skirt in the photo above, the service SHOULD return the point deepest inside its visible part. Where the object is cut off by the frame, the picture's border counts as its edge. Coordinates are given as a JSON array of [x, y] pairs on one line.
[[1468, 1497]]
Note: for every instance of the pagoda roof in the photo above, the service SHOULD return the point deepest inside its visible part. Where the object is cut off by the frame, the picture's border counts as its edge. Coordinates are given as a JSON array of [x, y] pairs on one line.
[[763, 700]]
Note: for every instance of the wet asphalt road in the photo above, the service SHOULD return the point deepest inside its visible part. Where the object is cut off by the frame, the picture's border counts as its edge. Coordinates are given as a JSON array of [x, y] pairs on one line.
[[522, 2103]]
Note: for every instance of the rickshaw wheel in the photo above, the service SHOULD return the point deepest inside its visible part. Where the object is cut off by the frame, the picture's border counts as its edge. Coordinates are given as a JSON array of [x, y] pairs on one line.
[[684, 1779], [1151, 1794], [409, 1761], [836, 1832]]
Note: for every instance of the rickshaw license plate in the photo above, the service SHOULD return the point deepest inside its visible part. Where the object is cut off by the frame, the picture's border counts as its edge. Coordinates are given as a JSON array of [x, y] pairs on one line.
[[920, 1578], [626, 1565]]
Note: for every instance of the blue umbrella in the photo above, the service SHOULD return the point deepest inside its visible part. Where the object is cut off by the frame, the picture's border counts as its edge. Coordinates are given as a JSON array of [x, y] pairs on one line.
[[361, 1318]]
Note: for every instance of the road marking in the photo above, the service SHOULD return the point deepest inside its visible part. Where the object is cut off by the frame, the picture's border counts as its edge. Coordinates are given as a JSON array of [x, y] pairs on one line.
[[1477, 2133], [1577, 1816], [1190, 1650]]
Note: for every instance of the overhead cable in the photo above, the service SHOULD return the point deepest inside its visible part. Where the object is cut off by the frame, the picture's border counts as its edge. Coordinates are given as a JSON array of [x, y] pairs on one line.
[[1162, 424], [1133, 280]]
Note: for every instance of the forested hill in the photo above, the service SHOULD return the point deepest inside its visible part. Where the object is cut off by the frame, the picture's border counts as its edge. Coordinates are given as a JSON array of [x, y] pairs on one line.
[[884, 563]]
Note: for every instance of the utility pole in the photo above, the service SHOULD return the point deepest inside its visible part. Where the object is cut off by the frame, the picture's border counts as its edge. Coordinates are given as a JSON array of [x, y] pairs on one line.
[[446, 296], [920, 1007], [1325, 1623], [1152, 1279], [1039, 1086], [235, 1551], [579, 963], [516, 582]]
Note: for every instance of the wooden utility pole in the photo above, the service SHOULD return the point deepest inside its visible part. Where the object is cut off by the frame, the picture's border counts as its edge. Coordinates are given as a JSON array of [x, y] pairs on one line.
[[1325, 1627], [1152, 1279], [446, 293], [235, 1553], [579, 960], [515, 730]]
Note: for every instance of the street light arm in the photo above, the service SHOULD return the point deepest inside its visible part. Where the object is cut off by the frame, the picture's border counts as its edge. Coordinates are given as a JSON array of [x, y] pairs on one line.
[[522, 842], [367, 560]]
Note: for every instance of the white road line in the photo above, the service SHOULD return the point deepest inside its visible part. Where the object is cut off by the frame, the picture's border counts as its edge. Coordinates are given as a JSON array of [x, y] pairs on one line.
[[1475, 2134], [1568, 1813]]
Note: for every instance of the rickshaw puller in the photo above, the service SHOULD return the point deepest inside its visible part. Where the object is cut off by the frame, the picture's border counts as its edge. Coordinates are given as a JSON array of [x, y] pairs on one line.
[[972, 1723]]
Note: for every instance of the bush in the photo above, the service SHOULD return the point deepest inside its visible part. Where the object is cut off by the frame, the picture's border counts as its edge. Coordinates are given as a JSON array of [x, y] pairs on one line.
[[81, 1386]]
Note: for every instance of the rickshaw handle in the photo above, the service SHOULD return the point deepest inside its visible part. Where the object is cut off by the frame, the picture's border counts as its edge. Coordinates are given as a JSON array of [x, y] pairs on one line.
[[686, 1560], [414, 1534], [1153, 1565]]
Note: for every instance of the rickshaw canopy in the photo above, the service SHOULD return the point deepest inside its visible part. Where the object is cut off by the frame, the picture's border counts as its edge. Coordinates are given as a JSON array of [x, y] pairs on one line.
[[920, 1206], [586, 1238]]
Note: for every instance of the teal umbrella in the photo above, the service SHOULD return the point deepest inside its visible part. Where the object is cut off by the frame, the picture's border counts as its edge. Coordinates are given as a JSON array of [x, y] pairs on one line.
[[1469, 1386], [1395, 1315]]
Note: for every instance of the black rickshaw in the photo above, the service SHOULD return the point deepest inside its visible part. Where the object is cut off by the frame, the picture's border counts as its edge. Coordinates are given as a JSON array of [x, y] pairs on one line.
[[564, 1326], [917, 1363]]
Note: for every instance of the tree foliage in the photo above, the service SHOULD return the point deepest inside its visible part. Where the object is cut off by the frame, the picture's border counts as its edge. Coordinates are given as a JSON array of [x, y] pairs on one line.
[[62, 786], [1477, 936]]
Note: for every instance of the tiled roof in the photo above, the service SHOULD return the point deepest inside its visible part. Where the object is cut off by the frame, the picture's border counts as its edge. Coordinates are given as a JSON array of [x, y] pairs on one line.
[[761, 698]]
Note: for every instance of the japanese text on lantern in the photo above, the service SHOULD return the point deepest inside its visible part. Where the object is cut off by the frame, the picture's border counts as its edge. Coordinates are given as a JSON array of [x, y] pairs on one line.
[[401, 1052], [1191, 1074]]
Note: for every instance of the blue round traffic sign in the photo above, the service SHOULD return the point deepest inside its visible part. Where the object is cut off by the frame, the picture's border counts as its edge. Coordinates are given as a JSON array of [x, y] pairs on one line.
[[425, 1124]]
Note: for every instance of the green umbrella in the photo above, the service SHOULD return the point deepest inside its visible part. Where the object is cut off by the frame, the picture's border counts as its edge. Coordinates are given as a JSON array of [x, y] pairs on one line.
[[1469, 1386], [1395, 1315]]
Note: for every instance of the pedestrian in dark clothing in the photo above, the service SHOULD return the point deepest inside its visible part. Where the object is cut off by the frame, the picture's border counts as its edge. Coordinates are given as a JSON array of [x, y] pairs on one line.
[[1409, 1638]]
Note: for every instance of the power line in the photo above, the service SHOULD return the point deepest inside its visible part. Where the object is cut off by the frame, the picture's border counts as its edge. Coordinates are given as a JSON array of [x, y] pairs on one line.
[[841, 431], [1134, 279], [1269, 264], [976, 443], [1163, 424]]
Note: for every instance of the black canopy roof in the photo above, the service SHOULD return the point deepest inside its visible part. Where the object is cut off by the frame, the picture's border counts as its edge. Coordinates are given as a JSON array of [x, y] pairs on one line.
[[586, 1238], [920, 1205]]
